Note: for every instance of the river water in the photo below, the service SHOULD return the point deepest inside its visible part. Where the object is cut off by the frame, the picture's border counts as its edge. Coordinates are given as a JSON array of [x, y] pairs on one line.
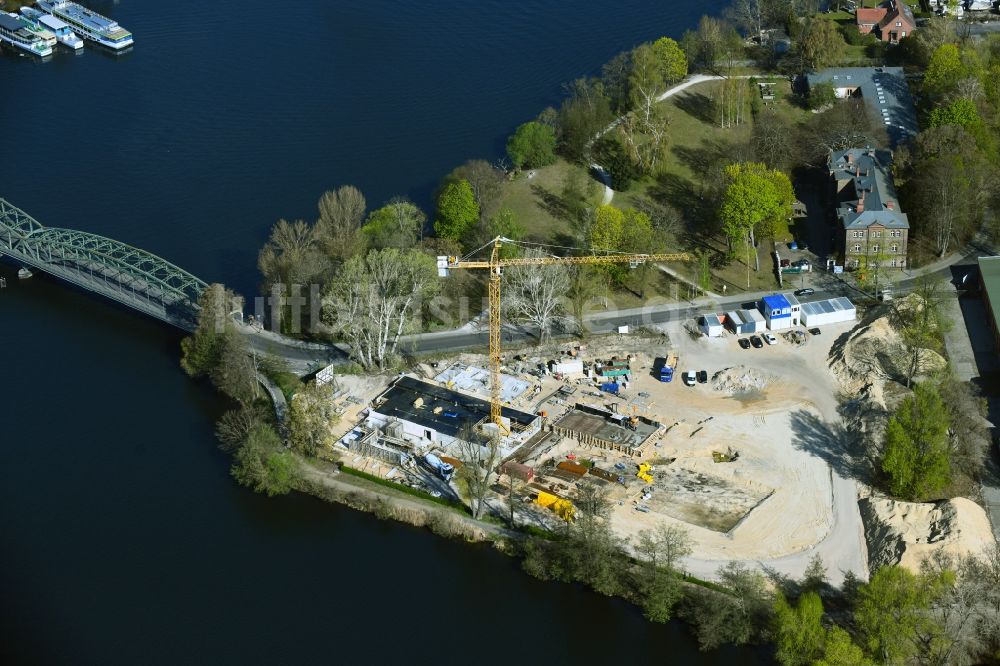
[[122, 538]]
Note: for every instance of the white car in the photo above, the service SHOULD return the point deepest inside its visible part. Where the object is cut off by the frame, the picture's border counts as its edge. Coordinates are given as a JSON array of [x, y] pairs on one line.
[[770, 339], [689, 378]]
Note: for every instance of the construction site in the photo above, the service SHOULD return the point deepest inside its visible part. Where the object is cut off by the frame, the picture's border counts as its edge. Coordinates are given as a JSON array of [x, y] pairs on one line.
[[724, 458]]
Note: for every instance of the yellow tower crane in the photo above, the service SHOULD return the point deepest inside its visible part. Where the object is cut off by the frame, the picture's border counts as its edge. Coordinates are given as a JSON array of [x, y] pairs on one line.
[[495, 265]]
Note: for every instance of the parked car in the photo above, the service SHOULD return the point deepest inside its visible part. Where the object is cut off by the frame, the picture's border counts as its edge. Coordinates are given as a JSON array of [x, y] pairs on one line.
[[744, 343], [770, 339], [689, 378], [808, 291], [814, 331], [702, 376], [801, 263], [756, 342]]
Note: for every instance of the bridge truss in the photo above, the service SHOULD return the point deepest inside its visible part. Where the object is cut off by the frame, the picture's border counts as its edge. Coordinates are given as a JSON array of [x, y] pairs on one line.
[[126, 274]]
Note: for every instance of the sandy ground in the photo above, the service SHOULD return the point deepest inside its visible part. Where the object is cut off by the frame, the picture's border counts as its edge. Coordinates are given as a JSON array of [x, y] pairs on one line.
[[809, 509]]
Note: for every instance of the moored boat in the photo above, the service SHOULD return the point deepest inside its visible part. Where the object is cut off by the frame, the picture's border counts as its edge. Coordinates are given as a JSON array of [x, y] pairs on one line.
[[89, 24], [64, 34], [13, 32]]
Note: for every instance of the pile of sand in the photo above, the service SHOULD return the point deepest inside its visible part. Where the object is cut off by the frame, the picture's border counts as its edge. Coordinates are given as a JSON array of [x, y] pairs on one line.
[[873, 353], [740, 379], [906, 532]]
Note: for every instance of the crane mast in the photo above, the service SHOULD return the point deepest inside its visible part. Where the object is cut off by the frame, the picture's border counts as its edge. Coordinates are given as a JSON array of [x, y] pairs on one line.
[[495, 266]]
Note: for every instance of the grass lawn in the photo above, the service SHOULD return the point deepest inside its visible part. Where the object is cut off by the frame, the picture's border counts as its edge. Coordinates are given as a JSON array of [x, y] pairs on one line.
[[536, 200]]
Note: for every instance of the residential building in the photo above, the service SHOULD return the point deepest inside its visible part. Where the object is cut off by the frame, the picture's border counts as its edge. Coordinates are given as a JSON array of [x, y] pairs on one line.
[[884, 91], [875, 231], [890, 22]]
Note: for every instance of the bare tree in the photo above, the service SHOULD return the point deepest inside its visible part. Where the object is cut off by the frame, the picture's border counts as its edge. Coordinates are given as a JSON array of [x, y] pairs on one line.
[[341, 213], [480, 454], [486, 182], [373, 300], [534, 294], [235, 426]]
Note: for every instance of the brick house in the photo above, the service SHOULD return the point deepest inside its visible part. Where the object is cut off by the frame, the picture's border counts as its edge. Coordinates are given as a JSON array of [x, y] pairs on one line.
[[890, 22], [874, 228]]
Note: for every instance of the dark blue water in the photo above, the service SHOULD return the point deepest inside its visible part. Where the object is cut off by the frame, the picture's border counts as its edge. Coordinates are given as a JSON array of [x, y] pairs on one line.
[[122, 538]]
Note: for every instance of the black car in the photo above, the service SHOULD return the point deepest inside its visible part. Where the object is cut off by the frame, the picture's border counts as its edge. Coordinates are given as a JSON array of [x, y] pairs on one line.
[[702, 376], [756, 342], [808, 291], [744, 343], [814, 331]]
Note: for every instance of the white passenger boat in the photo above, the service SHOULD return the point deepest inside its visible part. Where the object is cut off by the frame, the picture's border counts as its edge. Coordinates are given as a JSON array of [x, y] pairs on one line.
[[13, 32], [23, 273], [60, 28], [89, 24], [47, 36]]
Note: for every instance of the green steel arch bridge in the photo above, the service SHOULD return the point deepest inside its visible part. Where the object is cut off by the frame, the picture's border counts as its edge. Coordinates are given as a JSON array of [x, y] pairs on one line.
[[133, 277]]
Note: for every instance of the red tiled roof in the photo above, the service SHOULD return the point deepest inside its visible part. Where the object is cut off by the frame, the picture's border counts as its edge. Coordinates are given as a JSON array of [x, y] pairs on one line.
[[871, 15]]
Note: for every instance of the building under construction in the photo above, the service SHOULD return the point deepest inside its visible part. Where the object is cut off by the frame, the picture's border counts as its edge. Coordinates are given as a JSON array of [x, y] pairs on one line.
[[425, 414], [607, 430]]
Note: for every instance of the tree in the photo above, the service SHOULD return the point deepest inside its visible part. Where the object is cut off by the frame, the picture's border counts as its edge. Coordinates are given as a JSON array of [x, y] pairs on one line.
[[798, 630], [943, 71], [201, 351], [583, 287], [399, 224], [922, 325], [645, 81], [480, 454], [916, 445], [615, 77], [457, 210], [262, 465], [822, 94], [533, 295], [611, 154], [961, 112], [341, 213], [892, 610], [815, 574], [373, 300], [645, 138], [292, 255], [771, 139], [486, 182], [291, 258], [504, 224], [844, 125], [735, 617], [820, 43], [969, 438], [840, 650], [583, 114], [594, 552], [236, 372], [756, 201], [672, 62], [233, 427], [751, 15], [714, 40], [311, 416], [615, 230], [662, 549], [532, 145]]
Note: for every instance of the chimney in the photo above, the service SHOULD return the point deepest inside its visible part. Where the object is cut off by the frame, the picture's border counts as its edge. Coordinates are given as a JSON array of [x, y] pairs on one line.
[[861, 202], [857, 172], [890, 205], [850, 158]]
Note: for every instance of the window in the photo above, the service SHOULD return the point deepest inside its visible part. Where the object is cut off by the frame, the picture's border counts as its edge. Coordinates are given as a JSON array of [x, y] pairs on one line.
[[875, 248], [894, 248], [902, 34], [899, 24], [859, 234], [876, 234], [857, 247]]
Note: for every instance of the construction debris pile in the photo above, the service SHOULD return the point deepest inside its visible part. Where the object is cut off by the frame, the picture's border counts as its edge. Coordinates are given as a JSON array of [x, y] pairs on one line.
[[740, 379]]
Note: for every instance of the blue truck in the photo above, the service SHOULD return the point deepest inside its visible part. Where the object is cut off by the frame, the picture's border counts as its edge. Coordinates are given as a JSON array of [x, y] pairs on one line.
[[667, 368], [610, 387]]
